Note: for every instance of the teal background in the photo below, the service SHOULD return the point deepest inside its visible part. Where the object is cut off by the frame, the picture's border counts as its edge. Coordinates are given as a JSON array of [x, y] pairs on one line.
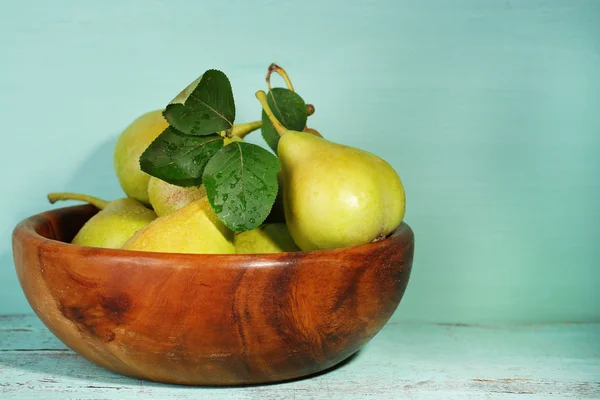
[[489, 111]]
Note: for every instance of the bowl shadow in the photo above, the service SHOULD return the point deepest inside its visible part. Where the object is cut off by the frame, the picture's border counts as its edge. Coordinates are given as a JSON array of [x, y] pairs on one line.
[[59, 363]]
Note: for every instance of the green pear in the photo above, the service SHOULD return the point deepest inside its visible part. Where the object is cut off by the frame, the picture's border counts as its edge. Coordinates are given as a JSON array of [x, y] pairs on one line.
[[166, 198], [267, 238], [194, 228], [134, 140], [335, 195], [113, 225]]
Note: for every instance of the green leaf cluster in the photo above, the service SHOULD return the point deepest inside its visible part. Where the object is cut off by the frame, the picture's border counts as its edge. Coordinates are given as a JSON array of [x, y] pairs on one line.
[[240, 178]]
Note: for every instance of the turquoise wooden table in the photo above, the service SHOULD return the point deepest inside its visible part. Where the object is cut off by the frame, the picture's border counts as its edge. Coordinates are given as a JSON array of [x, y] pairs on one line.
[[412, 361]]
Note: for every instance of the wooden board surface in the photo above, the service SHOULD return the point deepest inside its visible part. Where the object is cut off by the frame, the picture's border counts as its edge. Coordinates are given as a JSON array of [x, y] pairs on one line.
[[413, 361]]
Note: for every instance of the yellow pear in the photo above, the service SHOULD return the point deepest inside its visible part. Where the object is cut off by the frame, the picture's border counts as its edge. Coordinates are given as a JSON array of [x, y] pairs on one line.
[[134, 140], [194, 228], [113, 225], [335, 195], [166, 198], [267, 238]]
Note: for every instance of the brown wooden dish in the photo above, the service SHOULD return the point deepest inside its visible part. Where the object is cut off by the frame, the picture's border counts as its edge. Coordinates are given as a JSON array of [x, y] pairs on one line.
[[208, 319]]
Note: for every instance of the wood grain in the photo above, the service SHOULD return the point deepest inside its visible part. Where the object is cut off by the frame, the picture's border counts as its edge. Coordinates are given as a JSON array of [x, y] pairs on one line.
[[208, 319]]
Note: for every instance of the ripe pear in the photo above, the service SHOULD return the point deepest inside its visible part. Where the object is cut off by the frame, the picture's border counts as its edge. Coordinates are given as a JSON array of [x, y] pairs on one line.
[[167, 198], [129, 147], [335, 195], [194, 228], [113, 225], [267, 238]]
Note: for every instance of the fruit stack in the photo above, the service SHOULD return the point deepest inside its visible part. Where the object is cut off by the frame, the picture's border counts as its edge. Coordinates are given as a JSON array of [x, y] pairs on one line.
[[194, 185]]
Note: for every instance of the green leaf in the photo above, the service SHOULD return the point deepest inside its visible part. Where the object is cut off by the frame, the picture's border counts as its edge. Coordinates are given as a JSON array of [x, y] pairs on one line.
[[206, 106], [289, 108], [179, 158], [241, 184]]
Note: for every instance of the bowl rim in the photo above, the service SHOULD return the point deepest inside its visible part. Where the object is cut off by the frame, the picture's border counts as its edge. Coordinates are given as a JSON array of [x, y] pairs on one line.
[[27, 230]]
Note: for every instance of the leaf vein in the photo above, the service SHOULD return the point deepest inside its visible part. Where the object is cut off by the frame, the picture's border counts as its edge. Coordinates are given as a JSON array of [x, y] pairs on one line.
[[226, 162], [171, 162], [209, 107], [243, 184]]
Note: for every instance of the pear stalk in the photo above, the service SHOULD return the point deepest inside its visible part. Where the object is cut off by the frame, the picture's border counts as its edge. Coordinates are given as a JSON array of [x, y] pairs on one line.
[[262, 97], [310, 109], [96, 202], [276, 68], [241, 130]]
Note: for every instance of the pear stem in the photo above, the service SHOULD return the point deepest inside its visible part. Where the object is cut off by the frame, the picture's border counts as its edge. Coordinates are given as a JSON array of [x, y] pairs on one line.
[[310, 109], [241, 130], [262, 97], [276, 68], [96, 202]]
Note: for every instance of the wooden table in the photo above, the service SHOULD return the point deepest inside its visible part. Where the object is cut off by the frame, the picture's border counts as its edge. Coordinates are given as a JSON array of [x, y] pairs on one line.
[[412, 361]]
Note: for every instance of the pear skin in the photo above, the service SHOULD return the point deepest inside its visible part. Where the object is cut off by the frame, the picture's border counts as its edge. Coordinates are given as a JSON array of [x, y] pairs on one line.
[[134, 140], [334, 195], [337, 196], [267, 238], [113, 225], [166, 198], [194, 228]]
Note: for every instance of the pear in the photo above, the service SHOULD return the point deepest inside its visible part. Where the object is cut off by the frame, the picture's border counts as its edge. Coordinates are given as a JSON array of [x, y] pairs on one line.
[[267, 238], [167, 198], [335, 195], [113, 225], [134, 140], [194, 228]]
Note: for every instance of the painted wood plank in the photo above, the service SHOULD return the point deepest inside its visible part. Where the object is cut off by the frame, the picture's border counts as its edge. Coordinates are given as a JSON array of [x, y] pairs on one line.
[[414, 361], [26, 332]]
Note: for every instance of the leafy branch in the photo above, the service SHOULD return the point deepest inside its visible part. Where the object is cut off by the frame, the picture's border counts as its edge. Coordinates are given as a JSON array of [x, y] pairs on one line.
[[240, 178]]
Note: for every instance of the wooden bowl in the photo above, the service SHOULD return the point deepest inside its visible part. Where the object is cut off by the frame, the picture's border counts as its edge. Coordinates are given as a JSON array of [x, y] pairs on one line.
[[200, 319]]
